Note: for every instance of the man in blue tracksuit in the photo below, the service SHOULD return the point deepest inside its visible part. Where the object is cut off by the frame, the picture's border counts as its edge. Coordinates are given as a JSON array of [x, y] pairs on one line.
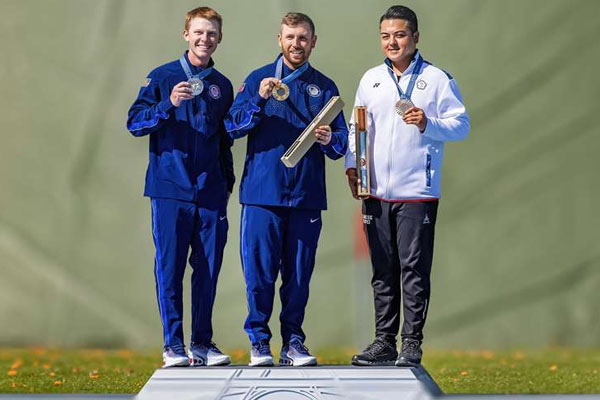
[[281, 214], [181, 107]]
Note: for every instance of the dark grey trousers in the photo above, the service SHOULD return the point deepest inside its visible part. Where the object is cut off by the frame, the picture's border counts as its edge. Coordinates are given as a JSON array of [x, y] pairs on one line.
[[400, 238]]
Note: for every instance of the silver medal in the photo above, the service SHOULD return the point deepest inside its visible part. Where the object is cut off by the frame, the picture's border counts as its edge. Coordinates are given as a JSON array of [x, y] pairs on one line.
[[197, 86], [403, 105]]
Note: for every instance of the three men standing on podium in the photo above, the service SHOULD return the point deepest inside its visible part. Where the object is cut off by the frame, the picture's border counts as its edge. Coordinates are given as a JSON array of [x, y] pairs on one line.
[[182, 106]]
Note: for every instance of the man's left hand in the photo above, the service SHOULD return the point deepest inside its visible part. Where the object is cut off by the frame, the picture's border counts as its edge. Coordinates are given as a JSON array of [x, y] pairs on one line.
[[416, 116], [323, 134]]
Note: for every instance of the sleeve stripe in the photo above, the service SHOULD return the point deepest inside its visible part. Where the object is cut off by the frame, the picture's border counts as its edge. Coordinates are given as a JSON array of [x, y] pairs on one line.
[[336, 150], [138, 126], [232, 126]]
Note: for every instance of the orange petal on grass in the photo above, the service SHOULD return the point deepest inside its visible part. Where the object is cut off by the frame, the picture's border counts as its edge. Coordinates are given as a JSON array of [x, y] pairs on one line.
[[487, 354], [553, 367], [464, 373], [38, 351], [94, 375], [12, 372], [57, 383], [125, 353], [46, 366], [238, 353], [16, 364]]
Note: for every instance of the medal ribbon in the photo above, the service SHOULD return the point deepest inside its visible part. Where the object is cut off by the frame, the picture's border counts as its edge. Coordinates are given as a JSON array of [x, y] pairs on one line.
[[205, 72], [293, 75], [413, 78]]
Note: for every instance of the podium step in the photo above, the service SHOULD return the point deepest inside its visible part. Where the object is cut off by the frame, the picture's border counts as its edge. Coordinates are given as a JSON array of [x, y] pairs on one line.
[[286, 383]]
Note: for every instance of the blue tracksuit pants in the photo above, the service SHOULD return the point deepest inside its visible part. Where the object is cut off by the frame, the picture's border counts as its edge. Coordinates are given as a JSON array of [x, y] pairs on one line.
[[273, 240], [178, 226]]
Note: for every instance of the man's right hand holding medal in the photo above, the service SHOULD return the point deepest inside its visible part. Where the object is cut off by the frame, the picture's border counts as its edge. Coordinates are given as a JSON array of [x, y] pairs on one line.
[[266, 87], [182, 91], [415, 116]]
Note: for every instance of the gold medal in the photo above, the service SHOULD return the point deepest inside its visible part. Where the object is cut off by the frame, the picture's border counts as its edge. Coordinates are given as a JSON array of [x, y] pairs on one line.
[[403, 105], [281, 92]]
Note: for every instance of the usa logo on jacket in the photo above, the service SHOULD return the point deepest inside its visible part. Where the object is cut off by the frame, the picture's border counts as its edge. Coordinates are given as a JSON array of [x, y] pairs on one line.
[[214, 92], [313, 90]]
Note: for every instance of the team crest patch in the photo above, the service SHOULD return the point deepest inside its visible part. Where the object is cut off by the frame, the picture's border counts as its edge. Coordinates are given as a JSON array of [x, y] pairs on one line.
[[241, 88], [214, 91], [313, 90], [421, 84], [146, 82]]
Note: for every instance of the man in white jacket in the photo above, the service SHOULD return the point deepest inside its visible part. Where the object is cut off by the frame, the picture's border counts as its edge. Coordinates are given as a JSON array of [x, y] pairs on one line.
[[412, 107]]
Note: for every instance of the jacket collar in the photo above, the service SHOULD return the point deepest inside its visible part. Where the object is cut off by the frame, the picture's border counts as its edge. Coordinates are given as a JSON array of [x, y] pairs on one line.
[[411, 66], [196, 70], [287, 70]]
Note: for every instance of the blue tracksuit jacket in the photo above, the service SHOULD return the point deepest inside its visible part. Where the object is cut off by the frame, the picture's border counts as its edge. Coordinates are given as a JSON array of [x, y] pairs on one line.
[[190, 151], [272, 126]]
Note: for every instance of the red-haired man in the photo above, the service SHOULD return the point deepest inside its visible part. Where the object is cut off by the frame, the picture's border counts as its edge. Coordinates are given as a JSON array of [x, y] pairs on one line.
[[181, 107]]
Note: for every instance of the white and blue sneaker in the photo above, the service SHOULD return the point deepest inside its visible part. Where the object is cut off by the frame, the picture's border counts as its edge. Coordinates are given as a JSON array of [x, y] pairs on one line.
[[175, 357], [207, 355], [260, 355], [296, 354]]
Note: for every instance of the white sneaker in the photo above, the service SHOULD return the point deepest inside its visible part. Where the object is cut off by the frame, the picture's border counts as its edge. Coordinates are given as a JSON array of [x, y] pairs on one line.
[[175, 357], [260, 355], [207, 355], [296, 354]]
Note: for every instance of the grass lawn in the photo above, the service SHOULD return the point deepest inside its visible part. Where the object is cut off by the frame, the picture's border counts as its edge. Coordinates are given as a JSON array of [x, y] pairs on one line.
[[40, 370], [549, 371]]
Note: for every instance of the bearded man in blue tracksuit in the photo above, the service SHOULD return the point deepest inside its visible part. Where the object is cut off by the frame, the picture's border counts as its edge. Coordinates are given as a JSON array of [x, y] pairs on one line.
[[181, 107], [281, 213]]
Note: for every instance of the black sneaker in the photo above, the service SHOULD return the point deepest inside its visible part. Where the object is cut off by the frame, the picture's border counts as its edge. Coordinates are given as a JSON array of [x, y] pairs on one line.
[[411, 353], [378, 353]]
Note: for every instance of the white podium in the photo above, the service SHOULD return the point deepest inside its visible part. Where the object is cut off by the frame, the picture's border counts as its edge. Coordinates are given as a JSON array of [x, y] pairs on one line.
[[289, 383]]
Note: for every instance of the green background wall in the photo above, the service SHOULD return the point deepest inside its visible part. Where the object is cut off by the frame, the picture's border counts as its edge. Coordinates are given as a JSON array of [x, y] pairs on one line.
[[517, 259]]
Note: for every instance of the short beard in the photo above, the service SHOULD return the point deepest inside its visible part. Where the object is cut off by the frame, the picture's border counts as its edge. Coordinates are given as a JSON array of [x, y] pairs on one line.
[[296, 64]]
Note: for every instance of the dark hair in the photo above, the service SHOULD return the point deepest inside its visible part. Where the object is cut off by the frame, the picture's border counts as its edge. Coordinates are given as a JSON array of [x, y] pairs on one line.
[[295, 18], [402, 12]]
